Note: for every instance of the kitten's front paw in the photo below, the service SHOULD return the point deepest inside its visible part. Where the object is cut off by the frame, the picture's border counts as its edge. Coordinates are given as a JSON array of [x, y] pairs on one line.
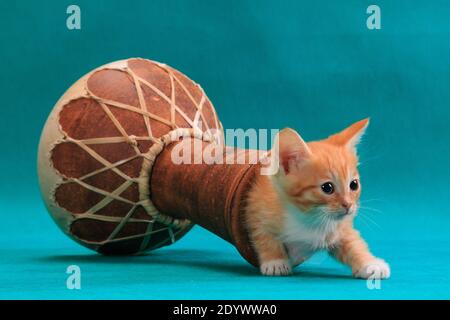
[[276, 268], [375, 269]]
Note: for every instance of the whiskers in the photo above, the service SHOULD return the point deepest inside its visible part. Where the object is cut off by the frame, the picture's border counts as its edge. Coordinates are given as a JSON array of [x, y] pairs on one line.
[[364, 212], [370, 200], [325, 220], [373, 210], [321, 219]]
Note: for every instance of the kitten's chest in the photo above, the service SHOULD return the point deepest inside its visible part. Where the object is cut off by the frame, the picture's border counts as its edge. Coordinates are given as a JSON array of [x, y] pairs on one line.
[[306, 235], [300, 246], [308, 239]]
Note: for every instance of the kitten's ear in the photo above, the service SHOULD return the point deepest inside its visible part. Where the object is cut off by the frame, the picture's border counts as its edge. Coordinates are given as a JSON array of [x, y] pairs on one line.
[[351, 135], [290, 149]]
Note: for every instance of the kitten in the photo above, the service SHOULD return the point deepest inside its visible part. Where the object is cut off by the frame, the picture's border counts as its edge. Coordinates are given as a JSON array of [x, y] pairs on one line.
[[310, 204]]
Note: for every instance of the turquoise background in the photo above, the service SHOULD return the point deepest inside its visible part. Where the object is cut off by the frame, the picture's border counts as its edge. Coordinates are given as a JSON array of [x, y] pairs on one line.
[[310, 65]]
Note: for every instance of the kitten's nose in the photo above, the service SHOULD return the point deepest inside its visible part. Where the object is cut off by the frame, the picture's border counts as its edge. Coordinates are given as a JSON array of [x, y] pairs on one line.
[[346, 206]]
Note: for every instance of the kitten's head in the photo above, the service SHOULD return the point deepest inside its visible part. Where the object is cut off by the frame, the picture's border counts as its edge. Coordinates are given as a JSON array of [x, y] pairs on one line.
[[321, 176]]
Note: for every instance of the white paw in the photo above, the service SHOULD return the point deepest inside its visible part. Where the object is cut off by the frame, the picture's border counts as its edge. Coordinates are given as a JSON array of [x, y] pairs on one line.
[[276, 268], [375, 269]]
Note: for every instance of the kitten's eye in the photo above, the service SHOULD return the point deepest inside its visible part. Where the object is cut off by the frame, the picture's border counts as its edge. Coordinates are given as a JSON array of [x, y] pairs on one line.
[[327, 187], [354, 185]]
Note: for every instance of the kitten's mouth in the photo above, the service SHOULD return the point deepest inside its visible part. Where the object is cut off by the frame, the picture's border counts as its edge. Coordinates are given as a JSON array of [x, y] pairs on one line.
[[342, 214], [337, 215]]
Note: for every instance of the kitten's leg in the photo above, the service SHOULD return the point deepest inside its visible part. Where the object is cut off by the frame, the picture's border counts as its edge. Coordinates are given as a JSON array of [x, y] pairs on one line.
[[353, 251], [273, 260]]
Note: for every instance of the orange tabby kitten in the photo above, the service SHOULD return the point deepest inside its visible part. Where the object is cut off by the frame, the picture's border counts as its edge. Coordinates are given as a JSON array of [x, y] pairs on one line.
[[310, 205]]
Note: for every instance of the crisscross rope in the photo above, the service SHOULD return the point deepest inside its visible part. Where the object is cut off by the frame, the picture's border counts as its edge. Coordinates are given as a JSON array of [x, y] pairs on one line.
[[148, 157]]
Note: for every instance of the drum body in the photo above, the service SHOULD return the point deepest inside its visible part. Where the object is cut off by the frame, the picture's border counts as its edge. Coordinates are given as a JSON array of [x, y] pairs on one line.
[[98, 147]]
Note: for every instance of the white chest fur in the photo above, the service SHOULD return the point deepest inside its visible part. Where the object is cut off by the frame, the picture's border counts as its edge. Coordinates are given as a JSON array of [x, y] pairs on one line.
[[303, 234]]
